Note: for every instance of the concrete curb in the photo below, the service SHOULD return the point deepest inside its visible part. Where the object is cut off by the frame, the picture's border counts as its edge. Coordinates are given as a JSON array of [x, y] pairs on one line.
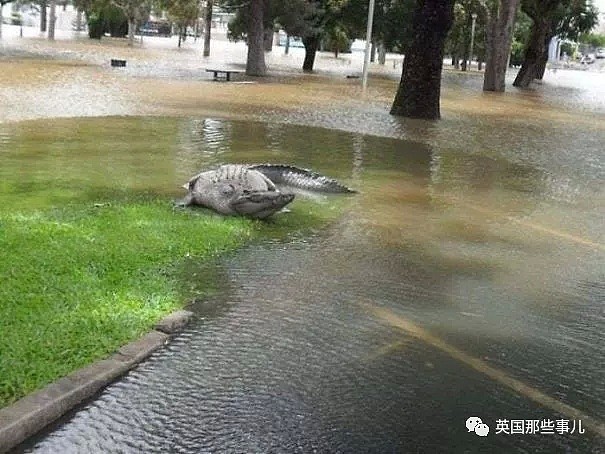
[[32, 413]]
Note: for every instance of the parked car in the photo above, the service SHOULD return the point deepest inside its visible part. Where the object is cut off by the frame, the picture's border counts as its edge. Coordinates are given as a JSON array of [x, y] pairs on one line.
[[587, 59], [600, 53]]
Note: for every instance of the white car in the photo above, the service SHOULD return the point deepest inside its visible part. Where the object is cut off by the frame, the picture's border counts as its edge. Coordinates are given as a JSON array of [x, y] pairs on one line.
[[600, 53]]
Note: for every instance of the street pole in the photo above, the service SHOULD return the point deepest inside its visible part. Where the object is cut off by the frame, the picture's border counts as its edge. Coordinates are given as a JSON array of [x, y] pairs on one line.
[[207, 28], [470, 58], [52, 20], [366, 60]]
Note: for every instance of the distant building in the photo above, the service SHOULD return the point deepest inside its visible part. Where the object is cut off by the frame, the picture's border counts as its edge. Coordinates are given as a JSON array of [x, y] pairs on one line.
[[554, 48]]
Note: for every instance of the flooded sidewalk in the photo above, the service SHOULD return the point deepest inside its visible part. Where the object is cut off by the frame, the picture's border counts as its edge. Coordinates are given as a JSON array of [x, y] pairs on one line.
[[455, 285], [73, 77], [465, 280]]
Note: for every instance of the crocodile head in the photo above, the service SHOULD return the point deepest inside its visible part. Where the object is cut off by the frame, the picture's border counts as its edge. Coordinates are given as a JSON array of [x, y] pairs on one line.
[[260, 204], [231, 198]]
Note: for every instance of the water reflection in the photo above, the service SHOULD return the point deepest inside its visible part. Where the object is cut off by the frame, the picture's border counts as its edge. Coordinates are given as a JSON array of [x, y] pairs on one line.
[[484, 229], [210, 136], [493, 256]]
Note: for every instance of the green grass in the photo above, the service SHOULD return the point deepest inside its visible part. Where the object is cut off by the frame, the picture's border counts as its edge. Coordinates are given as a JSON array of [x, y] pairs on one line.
[[92, 253], [79, 281]]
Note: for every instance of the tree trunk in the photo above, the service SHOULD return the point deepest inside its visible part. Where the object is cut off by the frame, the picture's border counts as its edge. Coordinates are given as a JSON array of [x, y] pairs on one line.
[[287, 49], [499, 38], [544, 59], [52, 20], [268, 39], [533, 54], [311, 45], [419, 90], [43, 17], [466, 44], [207, 27], [255, 64], [79, 20], [131, 30], [1, 18], [382, 53], [541, 66], [373, 52]]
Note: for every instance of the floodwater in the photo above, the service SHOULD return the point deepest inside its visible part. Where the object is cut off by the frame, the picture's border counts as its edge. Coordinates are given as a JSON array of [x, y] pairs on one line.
[[465, 279]]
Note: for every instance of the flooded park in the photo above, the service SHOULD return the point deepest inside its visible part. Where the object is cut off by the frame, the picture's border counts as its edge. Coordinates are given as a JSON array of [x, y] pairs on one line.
[[465, 279]]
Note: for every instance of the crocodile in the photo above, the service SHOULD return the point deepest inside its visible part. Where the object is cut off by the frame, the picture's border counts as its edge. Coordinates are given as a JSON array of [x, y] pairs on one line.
[[253, 190]]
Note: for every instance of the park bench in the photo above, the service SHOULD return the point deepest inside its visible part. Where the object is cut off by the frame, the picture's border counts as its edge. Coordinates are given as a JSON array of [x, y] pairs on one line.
[[223, 74]]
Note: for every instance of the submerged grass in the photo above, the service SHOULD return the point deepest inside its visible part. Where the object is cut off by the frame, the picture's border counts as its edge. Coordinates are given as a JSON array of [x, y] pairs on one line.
[[81, 280], [78, 282], [92, 253]]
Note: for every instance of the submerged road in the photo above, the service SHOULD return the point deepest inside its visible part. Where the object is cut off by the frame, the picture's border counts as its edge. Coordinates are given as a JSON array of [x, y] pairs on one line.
[[453, 287], [286, 361], [464, 282]]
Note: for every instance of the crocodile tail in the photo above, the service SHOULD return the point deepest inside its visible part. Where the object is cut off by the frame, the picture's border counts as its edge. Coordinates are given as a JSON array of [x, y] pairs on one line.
[[296, 177]]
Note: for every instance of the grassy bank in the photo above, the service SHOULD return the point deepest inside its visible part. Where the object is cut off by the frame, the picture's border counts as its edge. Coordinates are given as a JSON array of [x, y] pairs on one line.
[[92, 252], [79, 281]]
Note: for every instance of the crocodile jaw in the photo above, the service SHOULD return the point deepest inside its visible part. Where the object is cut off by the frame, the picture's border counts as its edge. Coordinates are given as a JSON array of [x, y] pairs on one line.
[[260, 204]]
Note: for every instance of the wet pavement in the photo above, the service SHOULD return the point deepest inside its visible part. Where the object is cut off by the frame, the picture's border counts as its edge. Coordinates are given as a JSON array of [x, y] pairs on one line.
[[466, 279]]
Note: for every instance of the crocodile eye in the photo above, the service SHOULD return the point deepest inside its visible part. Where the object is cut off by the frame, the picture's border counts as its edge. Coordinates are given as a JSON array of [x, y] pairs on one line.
[[227, 189]]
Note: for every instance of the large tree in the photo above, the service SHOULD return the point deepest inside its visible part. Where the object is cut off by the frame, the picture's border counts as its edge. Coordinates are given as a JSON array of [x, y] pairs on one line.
[[133, 10], [572, 19], [420, 86], [182, 13], [455, 43], [249, 24], [52, 20], [255, 63], [304, 19], [540, 12], [563, 18], [307, 19], [499, 37], [391, 27], [43, 18]]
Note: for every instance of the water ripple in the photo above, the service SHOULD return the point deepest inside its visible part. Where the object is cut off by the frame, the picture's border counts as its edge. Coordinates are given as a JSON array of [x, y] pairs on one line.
[[297, 364], [471, 246]]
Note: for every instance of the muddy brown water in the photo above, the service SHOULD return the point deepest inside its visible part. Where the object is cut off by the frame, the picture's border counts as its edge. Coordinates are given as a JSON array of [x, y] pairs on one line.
[[466, 278]]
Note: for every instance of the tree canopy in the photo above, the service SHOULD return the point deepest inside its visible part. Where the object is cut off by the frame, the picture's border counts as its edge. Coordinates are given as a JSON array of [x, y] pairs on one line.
[[182, 13], [562, 18], [592, 39]]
